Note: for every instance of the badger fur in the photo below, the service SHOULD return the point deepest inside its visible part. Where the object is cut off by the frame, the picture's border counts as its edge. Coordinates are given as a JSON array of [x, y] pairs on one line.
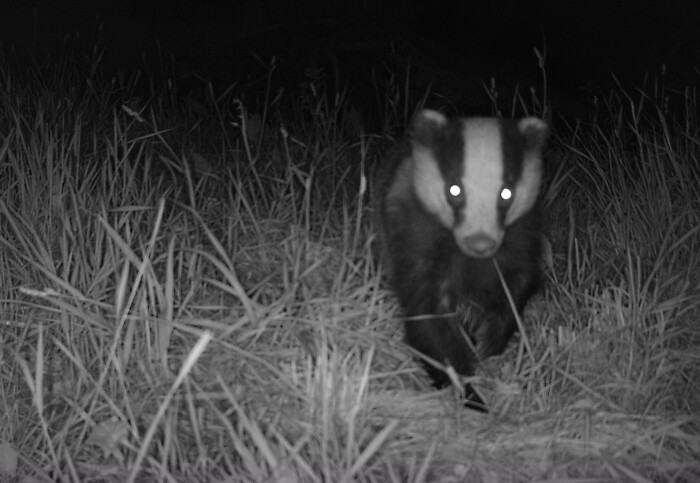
[[455, 196]]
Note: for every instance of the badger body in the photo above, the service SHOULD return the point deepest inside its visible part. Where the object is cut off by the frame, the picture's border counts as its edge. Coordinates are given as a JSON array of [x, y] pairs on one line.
[[455, 196]]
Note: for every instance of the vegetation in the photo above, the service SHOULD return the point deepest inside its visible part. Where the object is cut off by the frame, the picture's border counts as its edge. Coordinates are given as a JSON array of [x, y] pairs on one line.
[[188, 293]]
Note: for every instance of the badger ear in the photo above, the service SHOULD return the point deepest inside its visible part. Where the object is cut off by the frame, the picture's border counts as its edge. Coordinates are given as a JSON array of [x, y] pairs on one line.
[[535, 131], [425, 126]]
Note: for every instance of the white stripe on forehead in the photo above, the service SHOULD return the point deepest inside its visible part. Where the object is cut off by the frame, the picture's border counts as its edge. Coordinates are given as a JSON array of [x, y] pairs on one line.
[[482, 178]]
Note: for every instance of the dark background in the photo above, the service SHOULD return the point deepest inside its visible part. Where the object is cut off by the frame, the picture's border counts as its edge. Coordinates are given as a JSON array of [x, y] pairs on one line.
[[452, 46]]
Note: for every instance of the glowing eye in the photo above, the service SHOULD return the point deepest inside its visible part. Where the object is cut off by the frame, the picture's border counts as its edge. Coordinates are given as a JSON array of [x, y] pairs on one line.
[[506, 194], [455, 190]]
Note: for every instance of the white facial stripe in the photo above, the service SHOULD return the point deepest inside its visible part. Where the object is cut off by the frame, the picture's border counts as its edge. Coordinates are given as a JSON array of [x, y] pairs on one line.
[[429, 185], [482, 179], [401, 183]]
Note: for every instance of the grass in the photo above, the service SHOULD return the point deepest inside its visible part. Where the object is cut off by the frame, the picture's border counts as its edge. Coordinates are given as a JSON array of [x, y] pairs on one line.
[[188, 293]]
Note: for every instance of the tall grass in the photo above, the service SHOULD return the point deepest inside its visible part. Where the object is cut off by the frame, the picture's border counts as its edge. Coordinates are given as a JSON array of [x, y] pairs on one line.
[[188, 293]]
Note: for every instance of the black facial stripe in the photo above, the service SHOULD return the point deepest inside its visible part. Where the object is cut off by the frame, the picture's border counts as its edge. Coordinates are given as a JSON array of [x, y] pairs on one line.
[[513, 146], [447, 145], [502, 210], [458, 211], [445, 142], [450, 152], [452, 165]]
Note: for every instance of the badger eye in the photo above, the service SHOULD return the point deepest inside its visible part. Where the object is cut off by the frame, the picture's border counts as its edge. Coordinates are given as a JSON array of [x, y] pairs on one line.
[[505, 197], [455, 194]]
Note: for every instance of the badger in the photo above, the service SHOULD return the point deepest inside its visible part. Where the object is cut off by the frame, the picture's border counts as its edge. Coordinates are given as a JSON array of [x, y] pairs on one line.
[[454, 200]]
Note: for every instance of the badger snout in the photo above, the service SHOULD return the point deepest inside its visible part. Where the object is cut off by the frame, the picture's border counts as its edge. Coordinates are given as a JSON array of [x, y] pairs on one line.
[[479, 245]]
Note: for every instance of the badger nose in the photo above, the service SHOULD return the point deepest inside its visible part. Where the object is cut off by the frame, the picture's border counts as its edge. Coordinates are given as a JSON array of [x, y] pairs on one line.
[[480, 245]]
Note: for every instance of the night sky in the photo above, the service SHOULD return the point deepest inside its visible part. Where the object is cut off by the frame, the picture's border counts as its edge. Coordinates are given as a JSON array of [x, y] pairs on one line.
[[455, 45]]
